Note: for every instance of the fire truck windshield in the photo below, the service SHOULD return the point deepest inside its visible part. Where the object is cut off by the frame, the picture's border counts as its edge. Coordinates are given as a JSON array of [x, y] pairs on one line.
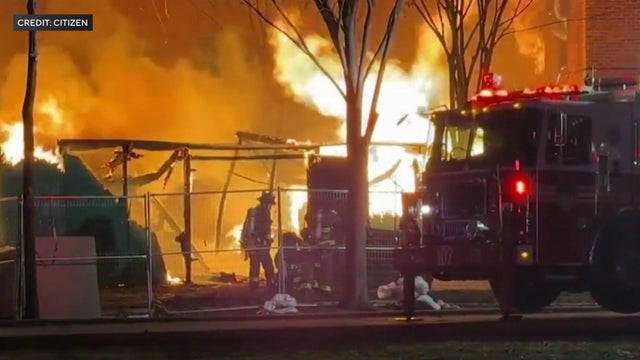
[[496, 137]]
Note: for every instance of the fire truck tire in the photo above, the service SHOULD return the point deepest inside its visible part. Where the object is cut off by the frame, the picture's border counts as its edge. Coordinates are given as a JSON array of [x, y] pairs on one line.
[[616, 299], [528, 293], [615, 260]]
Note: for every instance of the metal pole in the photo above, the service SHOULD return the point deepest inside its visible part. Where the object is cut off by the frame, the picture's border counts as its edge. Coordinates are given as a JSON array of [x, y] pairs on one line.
[[125, 189], [28, 210], [125, 170], [147, 225], [20, 291], [187, 213], [281, 286], [272, 178]]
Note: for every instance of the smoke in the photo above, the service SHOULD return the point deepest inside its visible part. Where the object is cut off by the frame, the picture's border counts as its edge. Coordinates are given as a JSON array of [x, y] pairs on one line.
[[529, 38], [125, 93]]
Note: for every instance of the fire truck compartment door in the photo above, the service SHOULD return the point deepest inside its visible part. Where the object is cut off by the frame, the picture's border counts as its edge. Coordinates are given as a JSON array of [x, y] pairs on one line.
[[565, 206]]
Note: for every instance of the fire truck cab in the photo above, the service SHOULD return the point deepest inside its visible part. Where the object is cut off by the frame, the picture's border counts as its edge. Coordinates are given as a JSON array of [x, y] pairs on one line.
[[536, 191]]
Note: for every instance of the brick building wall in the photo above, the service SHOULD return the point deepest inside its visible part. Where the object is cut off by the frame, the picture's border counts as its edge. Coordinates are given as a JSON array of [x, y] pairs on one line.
[[611, 36]]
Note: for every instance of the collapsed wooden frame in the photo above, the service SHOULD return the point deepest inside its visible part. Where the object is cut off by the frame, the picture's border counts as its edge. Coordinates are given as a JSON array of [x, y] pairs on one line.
[[282, 149]]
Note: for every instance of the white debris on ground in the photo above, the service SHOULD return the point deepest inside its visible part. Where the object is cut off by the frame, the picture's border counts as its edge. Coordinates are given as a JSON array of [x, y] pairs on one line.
[[280, 304], [394, 291]]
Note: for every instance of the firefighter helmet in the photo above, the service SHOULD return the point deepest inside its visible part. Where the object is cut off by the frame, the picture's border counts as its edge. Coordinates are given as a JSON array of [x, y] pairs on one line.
[[267, 197]]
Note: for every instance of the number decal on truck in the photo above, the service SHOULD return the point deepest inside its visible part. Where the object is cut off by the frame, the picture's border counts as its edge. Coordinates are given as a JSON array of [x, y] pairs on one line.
[[445, 253]]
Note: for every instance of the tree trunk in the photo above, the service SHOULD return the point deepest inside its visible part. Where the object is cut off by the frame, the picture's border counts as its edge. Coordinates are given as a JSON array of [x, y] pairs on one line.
[[453, 101], [28, 210], [357, 208]]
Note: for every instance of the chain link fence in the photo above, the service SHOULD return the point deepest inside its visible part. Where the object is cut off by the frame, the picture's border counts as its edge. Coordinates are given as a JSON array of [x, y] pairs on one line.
[[213, 271], [185, 253], [91, 256], [10, 264]]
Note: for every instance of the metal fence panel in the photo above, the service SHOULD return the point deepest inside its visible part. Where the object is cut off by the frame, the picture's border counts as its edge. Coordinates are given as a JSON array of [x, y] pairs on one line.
[[121, 246], [219, 267], [140, 259], [10, 265]]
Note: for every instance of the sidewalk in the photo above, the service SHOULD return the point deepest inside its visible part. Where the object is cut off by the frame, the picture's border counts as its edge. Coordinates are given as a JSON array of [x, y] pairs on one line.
[[292, 330]]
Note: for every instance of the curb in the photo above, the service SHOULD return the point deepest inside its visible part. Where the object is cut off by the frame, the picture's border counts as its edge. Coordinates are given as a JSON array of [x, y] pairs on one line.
[[335, 333], [486, 310]]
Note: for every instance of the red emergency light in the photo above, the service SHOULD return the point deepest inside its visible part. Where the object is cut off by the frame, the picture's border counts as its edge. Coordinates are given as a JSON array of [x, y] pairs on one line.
[[487, 81], [491, 95], [519, 184], [521, 187], [518, 187], [550, 91]]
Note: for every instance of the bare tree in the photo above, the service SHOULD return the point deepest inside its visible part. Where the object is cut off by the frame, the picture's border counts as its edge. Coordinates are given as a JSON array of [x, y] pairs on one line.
[[348, 24], [469, 44], [28, 210]]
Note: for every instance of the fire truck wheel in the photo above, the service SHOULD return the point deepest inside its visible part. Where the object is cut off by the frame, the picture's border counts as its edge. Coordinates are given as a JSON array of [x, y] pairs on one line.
[[623, 301], [615, 265], [528, 293]]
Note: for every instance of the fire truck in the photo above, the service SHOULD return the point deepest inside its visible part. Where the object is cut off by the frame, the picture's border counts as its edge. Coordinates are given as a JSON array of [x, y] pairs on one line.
[[535, 191]]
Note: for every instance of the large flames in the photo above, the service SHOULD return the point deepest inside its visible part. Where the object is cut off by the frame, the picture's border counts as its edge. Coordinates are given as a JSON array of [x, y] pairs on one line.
[[402, 93], [12, 145]]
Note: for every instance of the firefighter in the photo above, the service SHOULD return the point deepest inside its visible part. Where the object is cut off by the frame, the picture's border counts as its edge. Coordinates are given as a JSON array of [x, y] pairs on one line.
[[410, 229], [307, 265], [288, 260], [256, 241], [411, 237], [505, 282], [324, 238], [185, 249]]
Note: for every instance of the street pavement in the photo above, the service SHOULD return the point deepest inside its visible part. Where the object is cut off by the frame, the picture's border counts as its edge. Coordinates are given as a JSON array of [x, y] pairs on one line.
[[345, 328]]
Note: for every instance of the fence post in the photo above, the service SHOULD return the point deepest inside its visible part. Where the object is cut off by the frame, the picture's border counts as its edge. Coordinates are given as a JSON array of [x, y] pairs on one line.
[[281, 285], [147, 221], [19, 287]]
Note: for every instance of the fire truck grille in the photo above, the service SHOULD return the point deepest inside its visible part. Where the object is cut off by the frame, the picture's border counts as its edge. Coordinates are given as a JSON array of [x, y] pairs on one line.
[[464, 200]]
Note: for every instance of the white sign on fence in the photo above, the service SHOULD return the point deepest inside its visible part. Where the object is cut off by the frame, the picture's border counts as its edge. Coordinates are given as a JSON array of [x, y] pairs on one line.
[[67, 289]]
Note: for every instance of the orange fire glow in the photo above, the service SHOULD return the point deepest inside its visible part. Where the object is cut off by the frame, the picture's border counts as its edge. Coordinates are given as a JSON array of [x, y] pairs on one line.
[[403, 92], [12, 144]]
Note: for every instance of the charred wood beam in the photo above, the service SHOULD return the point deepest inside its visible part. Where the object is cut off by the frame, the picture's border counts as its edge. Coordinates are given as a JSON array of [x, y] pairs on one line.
[[223, 198], [166, 216], [187, 213], [67, 145], [248, 157], [385, 175], [249, 136]]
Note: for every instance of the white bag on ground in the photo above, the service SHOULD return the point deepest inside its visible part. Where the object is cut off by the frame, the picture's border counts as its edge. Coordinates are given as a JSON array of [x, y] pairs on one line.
[[389, 291], [394, 290], [281, 304]]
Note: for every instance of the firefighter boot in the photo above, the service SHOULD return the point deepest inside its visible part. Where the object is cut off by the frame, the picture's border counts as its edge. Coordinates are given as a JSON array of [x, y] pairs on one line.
[[506, 296], [254, 284], [305, 291], [325, 293]]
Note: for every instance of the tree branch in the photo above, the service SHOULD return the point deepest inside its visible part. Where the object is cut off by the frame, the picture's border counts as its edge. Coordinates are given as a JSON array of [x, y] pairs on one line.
[[373, 114], [506, 25], [429, 20], [365, 44], [300, 43], [332, 23]]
